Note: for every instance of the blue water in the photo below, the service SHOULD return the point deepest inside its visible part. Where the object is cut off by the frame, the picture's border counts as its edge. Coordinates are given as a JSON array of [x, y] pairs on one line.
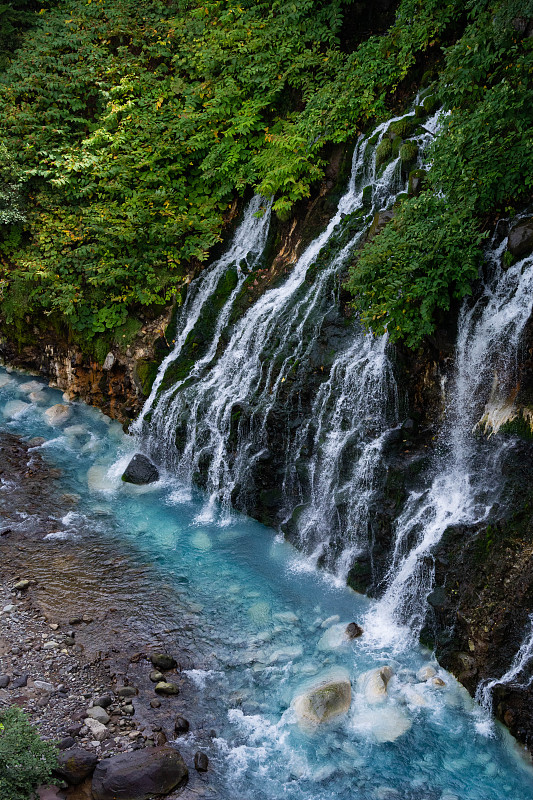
[[266, 624]]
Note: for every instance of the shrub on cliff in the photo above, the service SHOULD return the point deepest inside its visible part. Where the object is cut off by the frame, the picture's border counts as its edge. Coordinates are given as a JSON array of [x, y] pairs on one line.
[[25, 760]]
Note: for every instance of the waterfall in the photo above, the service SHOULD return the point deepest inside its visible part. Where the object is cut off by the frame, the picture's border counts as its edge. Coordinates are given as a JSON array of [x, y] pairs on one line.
[[248, 243], [216, 422], [520, 662], [466, 467]]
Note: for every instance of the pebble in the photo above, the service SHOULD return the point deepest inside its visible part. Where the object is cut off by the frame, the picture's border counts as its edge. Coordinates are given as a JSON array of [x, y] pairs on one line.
[[129, 710], [155, 703], [21, 586], [51, 645], [43, 686], [127, 691], [156, 676]]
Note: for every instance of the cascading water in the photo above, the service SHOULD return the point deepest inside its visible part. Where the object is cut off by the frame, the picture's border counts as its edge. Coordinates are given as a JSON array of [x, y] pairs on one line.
[[217, 424], [466, 479], [514, 675]]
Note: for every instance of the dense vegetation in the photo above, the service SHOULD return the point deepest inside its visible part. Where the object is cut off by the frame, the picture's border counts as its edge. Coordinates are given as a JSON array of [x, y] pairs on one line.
[[25, 760], [481, 166], [130, 128]]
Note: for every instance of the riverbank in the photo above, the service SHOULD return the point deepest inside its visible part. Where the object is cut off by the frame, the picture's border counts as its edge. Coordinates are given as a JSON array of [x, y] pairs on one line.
[[67, 647]]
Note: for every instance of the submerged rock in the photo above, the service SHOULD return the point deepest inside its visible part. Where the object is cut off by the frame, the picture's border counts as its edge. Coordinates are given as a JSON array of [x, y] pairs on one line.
[[425, 673], [163, 661], [139, 775], [325, 700], [58, 414], [140, 471]]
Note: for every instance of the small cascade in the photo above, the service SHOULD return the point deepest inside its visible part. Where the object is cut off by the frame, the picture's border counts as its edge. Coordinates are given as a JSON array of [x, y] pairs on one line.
[[289, 388], [248, 244], [521, 663], [466, 468]]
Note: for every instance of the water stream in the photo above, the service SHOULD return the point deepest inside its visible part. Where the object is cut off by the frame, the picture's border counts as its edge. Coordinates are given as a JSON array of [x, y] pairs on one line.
[[265, 625]]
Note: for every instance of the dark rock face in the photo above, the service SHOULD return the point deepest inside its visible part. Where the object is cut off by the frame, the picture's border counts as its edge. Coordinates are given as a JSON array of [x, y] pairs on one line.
[[521, 239], [140, 471], [75, 765], [139, 775]]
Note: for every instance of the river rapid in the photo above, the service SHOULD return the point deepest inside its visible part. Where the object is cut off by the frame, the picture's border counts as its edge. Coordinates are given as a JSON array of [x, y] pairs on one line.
[[266, 625]]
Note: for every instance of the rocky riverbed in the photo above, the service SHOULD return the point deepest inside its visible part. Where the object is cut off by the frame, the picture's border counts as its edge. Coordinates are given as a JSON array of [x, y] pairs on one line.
[[73, 656]]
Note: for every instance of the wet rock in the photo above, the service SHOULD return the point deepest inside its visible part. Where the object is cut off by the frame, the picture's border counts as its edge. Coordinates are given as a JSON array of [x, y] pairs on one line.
[[521, 239], [201, 762], [324, 700], [181, 725], [129, 710], [140, 471], [75, 765], [36, 441], [58, 414], [438, 598], [164, 687], [155, 703], [98, 714], [4, 681], [163, 661], [438, 682], [425, 673], [353, 630], [156, 676], [127, 691], [373, 684], [21, 586], [139, 775]]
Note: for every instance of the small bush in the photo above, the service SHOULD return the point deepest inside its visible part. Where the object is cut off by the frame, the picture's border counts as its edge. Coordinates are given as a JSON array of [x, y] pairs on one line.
[[25, 760]]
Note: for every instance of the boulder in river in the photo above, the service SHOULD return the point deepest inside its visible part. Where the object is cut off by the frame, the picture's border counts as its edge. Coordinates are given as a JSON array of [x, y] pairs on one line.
[[374, 684], [521, 238], [139, 775], [163, 661], [58, 414], [353, 630], [75, 764], [325, 699], [181, 725], [140, 471]]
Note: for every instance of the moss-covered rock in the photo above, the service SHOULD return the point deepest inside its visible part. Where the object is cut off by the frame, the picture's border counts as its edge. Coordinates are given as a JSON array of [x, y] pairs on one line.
[[408, 152], [402, 127], [383, 152]]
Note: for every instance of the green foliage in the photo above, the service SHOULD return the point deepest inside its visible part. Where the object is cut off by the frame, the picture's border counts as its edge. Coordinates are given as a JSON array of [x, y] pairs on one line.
[[481, 165], [134, 124], [426, 255], [25, 760]]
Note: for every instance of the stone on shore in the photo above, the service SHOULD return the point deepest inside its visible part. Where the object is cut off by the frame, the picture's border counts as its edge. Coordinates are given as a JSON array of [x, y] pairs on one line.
[[97, 729], [325, 700], [75, 765], [139, 775], [98, 713], [140, 471]]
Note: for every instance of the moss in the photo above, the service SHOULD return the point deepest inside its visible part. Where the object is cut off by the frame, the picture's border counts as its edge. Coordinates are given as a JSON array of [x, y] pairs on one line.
[[408, 152], [125, 334], [367, 197], [146, 371], [402, 127], [383, 152], [431, 104], [519, 426], [397, 143]]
